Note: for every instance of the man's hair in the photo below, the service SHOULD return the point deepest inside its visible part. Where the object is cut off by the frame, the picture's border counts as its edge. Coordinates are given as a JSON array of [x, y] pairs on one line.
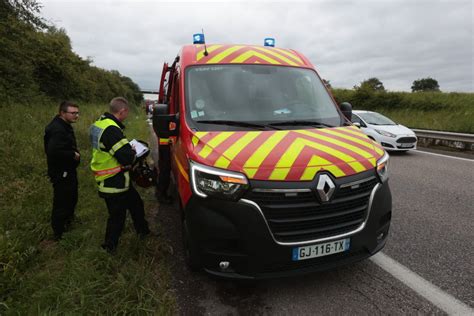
[[63, 107], [117, 104]]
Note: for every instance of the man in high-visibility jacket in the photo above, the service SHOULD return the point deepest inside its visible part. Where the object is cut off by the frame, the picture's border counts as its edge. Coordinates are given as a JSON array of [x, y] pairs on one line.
[[112, 158]]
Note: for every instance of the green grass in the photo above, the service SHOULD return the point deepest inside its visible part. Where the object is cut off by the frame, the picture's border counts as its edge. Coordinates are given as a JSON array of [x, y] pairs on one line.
[[460, 119], [452, 112], [74, 276]]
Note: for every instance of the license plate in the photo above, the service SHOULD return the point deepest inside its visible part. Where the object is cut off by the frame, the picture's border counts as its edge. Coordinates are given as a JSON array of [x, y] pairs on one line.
[[320, 250], [406, 145]]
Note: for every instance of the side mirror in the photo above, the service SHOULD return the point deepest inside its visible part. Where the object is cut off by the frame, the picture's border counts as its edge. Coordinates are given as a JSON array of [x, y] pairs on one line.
[[356, 124], [346, 109], [164, 124]]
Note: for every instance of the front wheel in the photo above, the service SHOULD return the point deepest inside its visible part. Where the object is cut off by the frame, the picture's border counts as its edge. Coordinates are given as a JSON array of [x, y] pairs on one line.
[[191, 255]]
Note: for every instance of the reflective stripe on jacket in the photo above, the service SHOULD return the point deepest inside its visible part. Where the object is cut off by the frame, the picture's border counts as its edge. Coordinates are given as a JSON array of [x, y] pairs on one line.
[[104, 164], [164, 141]]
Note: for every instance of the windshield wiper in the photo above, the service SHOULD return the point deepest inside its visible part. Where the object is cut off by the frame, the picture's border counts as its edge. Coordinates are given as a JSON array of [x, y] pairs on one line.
[[306, 123], [236, 123]]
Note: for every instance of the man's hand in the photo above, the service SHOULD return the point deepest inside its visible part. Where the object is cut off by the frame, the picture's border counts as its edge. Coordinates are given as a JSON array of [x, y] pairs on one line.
[[77, 156]]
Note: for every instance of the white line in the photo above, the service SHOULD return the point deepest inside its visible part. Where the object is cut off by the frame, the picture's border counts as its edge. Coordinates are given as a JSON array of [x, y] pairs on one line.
[[429, 153], [432, 293]]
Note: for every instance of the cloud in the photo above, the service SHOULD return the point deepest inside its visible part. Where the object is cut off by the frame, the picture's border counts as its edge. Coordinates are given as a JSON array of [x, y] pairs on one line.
[[348, 41]]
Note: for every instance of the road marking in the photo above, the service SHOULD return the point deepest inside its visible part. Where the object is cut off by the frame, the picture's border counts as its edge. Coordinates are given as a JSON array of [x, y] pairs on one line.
[[429, 153], [432, 293]]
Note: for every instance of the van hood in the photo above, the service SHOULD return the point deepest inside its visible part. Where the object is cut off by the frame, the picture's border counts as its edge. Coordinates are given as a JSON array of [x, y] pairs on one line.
[[290, 155]]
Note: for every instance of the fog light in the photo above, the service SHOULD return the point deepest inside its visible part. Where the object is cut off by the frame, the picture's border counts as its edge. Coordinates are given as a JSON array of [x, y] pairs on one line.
[[224, 265]]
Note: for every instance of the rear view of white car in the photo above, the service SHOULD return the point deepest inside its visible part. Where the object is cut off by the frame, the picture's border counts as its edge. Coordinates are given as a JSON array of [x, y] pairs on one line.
[[390, 135]]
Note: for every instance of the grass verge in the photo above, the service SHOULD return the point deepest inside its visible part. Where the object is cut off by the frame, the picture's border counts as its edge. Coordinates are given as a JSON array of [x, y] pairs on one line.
[[74, 275], [452, 112]]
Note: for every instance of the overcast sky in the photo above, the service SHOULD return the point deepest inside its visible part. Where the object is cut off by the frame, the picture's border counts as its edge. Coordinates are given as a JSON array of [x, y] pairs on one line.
[[396, 41]]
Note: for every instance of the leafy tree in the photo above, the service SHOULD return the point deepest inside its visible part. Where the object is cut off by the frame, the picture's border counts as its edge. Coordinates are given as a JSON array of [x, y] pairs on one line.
[[26, 11], [37, 62], [371, 84], [425, 84]]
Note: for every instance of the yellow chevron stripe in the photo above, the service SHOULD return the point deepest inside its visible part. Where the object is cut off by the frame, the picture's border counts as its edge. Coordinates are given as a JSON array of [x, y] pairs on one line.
[[289, 157], [223, 54], [378, 149], [336, 132], [219, 138], [353, 130], [356, 131], [290, 54], [198, 136], [262, 152], [250, 172], [210, 49], [318, 163], [279, 173], [355, 149], [250, 53], [195, 140], [181, 169], [232, 151], [271, 52]]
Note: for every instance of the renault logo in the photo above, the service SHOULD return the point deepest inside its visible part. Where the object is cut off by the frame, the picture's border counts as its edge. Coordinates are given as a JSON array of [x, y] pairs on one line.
[[325, 187]]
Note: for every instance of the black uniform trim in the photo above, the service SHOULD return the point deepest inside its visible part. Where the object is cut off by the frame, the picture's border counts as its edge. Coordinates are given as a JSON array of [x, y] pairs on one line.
[[60, 147]]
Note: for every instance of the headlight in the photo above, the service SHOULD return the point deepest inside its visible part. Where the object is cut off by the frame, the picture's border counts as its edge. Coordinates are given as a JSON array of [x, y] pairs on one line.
[[222, 184], [384, 133], [382, 167]]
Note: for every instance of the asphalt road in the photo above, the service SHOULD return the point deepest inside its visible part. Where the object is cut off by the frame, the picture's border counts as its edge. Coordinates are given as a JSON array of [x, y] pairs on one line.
[[431, 235]]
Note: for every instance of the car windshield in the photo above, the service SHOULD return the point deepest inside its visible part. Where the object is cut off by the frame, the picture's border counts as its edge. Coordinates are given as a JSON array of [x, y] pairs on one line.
[[374, 118], [257, 94]]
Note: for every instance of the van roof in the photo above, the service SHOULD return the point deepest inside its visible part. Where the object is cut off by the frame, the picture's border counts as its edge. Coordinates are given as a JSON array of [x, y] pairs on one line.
[[242, 54]]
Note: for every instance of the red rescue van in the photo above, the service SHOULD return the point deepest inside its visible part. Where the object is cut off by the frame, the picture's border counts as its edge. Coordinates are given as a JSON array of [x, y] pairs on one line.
[[271, 177]]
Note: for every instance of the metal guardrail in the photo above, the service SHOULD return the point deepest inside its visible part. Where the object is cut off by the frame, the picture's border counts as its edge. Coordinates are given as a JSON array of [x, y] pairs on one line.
[[449, 136], [459, 141]]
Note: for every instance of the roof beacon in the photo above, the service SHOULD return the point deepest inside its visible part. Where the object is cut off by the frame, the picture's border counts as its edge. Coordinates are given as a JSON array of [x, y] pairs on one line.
[[198, 38], [269, 42]]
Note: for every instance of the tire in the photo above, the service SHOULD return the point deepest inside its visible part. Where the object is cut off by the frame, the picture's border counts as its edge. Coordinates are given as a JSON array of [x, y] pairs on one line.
[[191, 255]]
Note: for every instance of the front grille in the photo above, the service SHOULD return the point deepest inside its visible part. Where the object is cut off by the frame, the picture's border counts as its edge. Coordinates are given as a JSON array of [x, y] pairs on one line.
[[299, 216], [404, 140]]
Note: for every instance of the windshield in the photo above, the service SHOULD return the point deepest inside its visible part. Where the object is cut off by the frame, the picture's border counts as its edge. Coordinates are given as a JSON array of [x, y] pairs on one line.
[[257, 94], [374, 118]]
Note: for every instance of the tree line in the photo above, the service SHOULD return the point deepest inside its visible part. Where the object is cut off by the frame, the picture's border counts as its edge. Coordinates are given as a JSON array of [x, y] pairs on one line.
[[374, 84], [37, 62]]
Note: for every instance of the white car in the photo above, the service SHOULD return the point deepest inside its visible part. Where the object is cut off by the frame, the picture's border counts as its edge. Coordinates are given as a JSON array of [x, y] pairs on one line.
[[392, 136]]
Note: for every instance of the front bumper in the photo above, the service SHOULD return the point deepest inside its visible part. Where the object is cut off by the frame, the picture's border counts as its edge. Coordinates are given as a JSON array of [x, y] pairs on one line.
[[239, 233], [400, 143]]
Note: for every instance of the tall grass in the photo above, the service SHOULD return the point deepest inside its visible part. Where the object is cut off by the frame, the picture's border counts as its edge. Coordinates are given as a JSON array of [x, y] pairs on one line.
[[426, 110], [75, 275]]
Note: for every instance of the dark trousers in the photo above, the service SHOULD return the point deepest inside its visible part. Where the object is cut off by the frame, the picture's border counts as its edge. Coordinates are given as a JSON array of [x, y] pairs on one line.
[[64, 202], [117, 205], [164, 166]]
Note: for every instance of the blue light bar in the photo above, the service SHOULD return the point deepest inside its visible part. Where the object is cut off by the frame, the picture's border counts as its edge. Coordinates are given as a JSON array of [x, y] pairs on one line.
[[269, 42], [198, 38]]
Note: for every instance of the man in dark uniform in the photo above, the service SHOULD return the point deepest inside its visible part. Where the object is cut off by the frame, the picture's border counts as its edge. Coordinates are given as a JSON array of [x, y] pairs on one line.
[[63, 158], [112, 158], [164, 169]]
